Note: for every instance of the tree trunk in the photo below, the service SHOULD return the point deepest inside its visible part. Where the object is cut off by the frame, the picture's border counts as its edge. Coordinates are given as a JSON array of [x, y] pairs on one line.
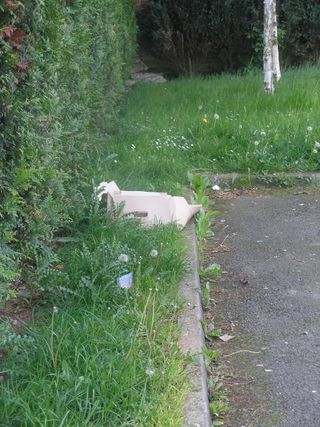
[[271, 64], [275, 48]]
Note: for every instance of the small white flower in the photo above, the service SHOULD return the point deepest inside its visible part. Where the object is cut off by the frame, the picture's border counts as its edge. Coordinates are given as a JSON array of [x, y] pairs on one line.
[[315, 151], [216, 116], [309, 129], [154, 253], [256, 142], [123, 258], [316, 144], [216, 188], [55, 309], [149, 372], [263, 134], [200, 107]]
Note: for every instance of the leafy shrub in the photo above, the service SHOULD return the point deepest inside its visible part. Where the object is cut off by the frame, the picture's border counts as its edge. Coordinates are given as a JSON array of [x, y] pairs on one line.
[[57, 119], [226, 35], [300, 21]]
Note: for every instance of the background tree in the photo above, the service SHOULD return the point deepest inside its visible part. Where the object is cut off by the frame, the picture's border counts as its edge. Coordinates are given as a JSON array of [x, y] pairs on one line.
[[271, 63]]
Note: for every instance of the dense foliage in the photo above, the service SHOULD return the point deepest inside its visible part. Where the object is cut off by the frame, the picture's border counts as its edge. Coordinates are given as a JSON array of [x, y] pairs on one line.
[[226, 35], [63, 66]]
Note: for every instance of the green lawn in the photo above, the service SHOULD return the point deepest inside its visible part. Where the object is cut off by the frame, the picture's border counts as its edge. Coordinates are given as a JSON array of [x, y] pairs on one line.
[[221, 123]]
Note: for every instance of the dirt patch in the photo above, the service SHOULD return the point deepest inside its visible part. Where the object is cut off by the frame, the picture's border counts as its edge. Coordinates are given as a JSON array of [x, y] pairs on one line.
[[17, 310]]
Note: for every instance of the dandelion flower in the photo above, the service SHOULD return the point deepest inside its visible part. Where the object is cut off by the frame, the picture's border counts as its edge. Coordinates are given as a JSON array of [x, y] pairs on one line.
[[256, 142], [154, 253], [205, 120], [263, 134], [123, 258], [216, 116], [309, 129], [55, 309]]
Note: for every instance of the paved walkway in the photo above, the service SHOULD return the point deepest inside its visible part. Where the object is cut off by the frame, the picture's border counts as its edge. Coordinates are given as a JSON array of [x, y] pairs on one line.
[[275, 240]]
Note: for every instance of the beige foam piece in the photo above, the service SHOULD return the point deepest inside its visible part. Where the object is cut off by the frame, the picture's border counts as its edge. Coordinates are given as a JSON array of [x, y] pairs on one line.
[[152, 208]]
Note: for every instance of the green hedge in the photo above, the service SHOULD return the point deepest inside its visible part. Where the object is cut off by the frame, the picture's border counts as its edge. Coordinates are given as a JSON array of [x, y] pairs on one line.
[[60, 86], [226, 35]]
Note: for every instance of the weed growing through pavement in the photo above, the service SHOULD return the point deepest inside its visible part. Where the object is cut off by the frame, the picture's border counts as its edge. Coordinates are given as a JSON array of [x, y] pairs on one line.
[[218, 400]]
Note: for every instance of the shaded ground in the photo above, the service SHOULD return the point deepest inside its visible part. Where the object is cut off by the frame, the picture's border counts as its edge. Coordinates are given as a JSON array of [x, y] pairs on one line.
[[269, 299]]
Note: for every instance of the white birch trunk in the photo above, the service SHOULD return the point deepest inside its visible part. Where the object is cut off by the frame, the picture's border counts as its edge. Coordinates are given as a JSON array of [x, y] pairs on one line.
[[275, 47], [271, 64]]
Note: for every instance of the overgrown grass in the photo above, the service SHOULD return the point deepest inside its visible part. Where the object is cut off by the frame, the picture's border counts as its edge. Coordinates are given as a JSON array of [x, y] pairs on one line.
[[101, 355], [221, 123]]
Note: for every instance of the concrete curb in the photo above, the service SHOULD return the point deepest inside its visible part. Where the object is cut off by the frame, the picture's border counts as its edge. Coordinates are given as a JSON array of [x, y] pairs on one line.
[[191, 342], [281, 178]]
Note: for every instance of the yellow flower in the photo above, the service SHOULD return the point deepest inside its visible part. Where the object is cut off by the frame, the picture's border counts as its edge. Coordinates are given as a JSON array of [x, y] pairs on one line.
[[205, 120]]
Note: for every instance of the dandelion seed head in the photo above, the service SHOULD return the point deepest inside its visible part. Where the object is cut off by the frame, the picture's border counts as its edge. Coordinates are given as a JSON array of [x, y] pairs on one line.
[[123, 258], [154, 253], [149, 372]]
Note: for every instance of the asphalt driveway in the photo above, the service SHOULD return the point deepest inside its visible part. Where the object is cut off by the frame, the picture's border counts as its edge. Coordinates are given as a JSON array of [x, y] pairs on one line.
[[269, 300]]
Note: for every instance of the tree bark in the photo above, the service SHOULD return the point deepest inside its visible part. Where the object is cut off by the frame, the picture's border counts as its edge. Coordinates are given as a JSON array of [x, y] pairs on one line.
[[271, 63], [275, 48]]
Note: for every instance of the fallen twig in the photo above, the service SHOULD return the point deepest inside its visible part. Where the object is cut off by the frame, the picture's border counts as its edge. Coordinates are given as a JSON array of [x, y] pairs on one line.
[[241, 351]]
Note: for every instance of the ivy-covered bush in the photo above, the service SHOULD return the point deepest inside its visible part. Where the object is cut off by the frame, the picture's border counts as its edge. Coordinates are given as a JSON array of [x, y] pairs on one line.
[[226, 35], [63, 65]]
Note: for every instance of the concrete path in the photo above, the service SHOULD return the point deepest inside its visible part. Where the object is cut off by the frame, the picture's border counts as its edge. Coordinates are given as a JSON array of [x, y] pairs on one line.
[[269, 299]]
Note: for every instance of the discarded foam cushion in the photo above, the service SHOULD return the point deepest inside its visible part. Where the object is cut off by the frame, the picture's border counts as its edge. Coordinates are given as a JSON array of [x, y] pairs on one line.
[[152, 208]]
